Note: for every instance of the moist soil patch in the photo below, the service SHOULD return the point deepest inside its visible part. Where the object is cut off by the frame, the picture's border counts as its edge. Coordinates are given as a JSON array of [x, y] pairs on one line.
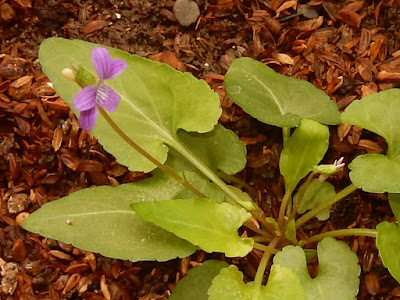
[[346, 48]]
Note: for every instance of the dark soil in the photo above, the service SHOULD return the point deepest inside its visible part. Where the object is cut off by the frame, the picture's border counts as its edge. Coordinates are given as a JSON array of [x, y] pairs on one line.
[[347, 48]]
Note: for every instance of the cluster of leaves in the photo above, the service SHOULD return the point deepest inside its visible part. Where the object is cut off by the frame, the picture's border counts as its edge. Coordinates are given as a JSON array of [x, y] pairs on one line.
[[159, 219]]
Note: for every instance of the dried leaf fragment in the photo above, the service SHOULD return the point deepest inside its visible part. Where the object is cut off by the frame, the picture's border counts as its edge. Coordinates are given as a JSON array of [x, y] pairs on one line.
[[94, 26]]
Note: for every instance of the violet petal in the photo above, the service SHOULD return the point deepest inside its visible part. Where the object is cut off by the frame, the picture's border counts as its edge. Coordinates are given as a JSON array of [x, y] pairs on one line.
[[85, 99], [87, 118], [117, 66], [107, 98], [101, 61]]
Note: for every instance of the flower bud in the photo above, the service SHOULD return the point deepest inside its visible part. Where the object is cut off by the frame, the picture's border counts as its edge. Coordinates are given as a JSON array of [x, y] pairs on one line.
[[68, 74]]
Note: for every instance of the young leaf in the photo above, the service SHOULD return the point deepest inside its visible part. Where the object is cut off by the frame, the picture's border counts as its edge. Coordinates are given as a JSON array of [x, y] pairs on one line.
[[303, 150], [318, 192], [338, 267], [101, 220], [152, 109], [388, 244], [377, 112], [394, 201], [276, 99], [203, 222], [282, 284], [195, 284]]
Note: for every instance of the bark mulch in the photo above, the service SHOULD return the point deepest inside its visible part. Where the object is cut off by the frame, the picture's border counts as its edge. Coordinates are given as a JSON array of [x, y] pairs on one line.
[[346, 48]]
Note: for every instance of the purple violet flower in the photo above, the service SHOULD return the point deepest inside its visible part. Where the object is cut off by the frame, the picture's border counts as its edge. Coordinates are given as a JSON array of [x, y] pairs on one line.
[[90, 96]]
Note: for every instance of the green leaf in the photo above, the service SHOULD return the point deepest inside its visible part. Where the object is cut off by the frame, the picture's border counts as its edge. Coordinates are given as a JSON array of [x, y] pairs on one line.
[[195, 284], [102, 220], [204, 223], [303, 150], [282, 284], [377, 112], [219, 149], [388, 244], [338, 267], [152, 109], [317, 193], [394, 201], [276, 99]]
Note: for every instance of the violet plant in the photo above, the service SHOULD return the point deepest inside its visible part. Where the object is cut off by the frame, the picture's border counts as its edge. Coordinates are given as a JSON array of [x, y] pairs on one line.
[[165, 122]]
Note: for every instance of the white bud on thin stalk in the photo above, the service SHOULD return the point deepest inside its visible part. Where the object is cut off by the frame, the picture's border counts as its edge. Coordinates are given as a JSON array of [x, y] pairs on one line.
[[68, 74]]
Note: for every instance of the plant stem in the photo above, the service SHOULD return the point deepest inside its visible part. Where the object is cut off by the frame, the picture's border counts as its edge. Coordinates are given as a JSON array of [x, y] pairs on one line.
[[285, 134], [312, 213], [261, 232], [143, 152], [264, 261], [341, 232], [301, 195], [261, 239], [282, 209], [264, 248]]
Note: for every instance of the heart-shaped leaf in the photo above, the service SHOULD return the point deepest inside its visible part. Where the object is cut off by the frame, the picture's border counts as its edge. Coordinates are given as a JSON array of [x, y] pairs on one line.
[[101, 220], [276, 99], [303, 150], [156, 102], [282, 284], [338, 267], [377, 112], [203, 222], [388, 243], [318, 192], [195, 284]]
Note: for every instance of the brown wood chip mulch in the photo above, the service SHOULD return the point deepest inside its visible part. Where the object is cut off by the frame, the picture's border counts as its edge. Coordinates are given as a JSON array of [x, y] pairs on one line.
[[349, 49]]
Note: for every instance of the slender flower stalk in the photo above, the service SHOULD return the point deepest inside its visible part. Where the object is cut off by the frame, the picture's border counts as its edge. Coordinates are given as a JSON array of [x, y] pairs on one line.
[[341, 232], [264, 261], [312, 213], [296, 205]]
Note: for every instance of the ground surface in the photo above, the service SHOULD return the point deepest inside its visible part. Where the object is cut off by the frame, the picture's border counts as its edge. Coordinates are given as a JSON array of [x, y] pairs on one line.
[[347, 48]]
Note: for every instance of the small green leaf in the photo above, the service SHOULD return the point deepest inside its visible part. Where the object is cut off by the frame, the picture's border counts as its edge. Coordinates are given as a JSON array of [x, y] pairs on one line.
[[276, 99], [219, 149], [338, 267], [310, 254], [388, 243], [282, 284], [394, 201], [203, 222], [290, 232], [195, 284], [101, 220], [152, 109], [303, 150], [377, 112], [317, 193]]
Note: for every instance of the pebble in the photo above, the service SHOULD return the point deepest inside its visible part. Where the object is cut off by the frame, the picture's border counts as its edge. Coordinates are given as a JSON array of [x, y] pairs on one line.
[[186, 12]]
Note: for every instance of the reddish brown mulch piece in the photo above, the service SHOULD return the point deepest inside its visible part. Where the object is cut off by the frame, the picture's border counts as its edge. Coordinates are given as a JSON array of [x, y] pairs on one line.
[[347, 48]]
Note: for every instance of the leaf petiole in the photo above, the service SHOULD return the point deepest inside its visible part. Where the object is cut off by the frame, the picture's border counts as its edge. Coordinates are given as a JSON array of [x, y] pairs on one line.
[[341, 232], [282, 209], [265, 248], [264, 261], [312, 213]]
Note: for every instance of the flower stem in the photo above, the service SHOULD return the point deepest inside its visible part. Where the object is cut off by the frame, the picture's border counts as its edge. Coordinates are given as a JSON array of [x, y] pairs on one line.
[[231, 178], [341, 232], [312, 213], [264, 261], [143, 152], [301, 195]]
